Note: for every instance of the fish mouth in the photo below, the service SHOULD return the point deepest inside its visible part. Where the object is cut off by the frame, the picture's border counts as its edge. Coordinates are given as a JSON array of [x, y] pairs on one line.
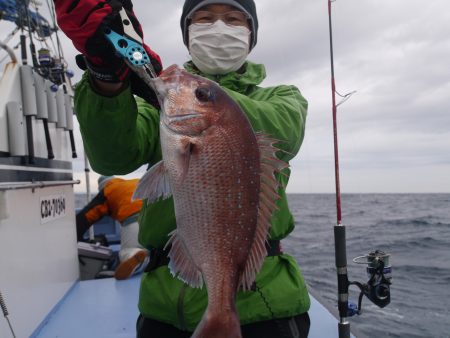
[[178, 118], [178, 124]]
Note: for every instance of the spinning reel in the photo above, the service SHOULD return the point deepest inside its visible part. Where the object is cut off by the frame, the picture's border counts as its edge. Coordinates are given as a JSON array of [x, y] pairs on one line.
[[377, 288]]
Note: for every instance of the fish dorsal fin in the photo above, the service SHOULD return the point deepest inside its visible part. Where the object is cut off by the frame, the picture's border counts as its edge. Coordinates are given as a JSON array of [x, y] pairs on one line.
[[268, 196], [181, 264], [154, 184]]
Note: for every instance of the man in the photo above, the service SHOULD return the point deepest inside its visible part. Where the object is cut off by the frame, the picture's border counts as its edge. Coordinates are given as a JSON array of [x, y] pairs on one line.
[[114, 199], [120, 133]]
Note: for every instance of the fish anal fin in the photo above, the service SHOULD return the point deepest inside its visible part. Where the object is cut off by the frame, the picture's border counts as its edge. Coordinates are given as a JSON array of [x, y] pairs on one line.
[[181, 264], [154, 184], [268, 197]]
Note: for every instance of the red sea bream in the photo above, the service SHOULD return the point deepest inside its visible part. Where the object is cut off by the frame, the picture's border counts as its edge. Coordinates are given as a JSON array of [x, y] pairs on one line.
[[221, 175]]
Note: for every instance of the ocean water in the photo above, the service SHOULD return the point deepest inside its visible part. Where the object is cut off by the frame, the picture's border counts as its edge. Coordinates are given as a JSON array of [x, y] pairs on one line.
[[413, 228]]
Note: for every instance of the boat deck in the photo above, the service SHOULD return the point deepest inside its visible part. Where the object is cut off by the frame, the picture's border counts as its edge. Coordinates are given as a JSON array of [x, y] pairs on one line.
[[108, 308]]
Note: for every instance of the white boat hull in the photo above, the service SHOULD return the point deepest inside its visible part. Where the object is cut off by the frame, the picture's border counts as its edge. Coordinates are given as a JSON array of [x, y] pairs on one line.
[[38, 263]]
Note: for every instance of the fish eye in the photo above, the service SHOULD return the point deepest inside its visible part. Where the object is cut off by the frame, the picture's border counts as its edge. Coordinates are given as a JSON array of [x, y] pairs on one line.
[[202, 94]]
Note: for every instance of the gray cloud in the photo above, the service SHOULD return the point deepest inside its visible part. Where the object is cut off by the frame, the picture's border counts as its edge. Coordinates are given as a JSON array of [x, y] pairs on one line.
[[394, 133]]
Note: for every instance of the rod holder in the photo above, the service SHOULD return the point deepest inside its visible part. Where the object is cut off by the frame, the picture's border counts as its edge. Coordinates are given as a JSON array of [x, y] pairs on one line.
[[51, 102], [16, 129], [42, 111], [61, 110], [29, 106], [69, 122]]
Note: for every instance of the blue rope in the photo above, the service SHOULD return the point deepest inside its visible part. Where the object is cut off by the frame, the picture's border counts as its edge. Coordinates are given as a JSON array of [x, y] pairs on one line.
[[10, 10]]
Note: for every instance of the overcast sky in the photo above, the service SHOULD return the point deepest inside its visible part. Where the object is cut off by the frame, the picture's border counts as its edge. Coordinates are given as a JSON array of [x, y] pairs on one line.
[[394, 132]]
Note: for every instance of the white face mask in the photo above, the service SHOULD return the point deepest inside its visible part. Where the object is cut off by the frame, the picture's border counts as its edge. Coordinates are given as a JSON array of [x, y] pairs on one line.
[[218, 48]]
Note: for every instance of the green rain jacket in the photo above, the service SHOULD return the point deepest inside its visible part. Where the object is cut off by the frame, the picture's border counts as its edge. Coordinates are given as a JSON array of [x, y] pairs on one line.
[[121, 134]]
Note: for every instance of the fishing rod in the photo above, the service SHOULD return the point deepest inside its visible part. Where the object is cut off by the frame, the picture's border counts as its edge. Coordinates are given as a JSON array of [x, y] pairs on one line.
[[64, 79], [32, 107], [377, 289], [339, 228], [87, 171]]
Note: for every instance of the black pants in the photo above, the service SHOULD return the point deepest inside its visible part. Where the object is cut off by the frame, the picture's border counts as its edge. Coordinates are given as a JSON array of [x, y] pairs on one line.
[[294, 327]]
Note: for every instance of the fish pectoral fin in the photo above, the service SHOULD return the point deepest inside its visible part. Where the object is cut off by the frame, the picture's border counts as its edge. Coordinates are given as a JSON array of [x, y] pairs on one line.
[[181, 264], [185, 152], [154, 184]]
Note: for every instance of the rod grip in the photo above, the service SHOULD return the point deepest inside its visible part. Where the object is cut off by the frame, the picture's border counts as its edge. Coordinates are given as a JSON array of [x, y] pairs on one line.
[[340, 246], [29, 126], [344, 330], [48, 141], [23, 49], [72, 144], [341, 268]]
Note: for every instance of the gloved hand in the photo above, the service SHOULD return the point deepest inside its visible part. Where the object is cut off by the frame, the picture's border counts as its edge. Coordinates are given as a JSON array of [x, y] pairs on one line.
[[84, 22]]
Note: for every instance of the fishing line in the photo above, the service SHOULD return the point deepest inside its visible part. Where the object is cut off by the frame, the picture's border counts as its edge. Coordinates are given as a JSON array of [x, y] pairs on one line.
[[345, 97], [30, 35], [7, 39], [40, 33], [6, 314], [11, 35], [6, 56], [51, 8]]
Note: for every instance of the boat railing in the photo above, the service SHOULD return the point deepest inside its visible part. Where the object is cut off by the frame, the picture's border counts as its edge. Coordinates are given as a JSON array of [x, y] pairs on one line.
[[35, 185], [9, 50]]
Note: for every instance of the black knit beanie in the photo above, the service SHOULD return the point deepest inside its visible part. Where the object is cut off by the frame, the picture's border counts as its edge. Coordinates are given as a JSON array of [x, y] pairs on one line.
[[247, 6]]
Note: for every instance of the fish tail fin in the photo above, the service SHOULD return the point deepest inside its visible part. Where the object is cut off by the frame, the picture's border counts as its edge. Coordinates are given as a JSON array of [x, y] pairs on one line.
[[221, 324]]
